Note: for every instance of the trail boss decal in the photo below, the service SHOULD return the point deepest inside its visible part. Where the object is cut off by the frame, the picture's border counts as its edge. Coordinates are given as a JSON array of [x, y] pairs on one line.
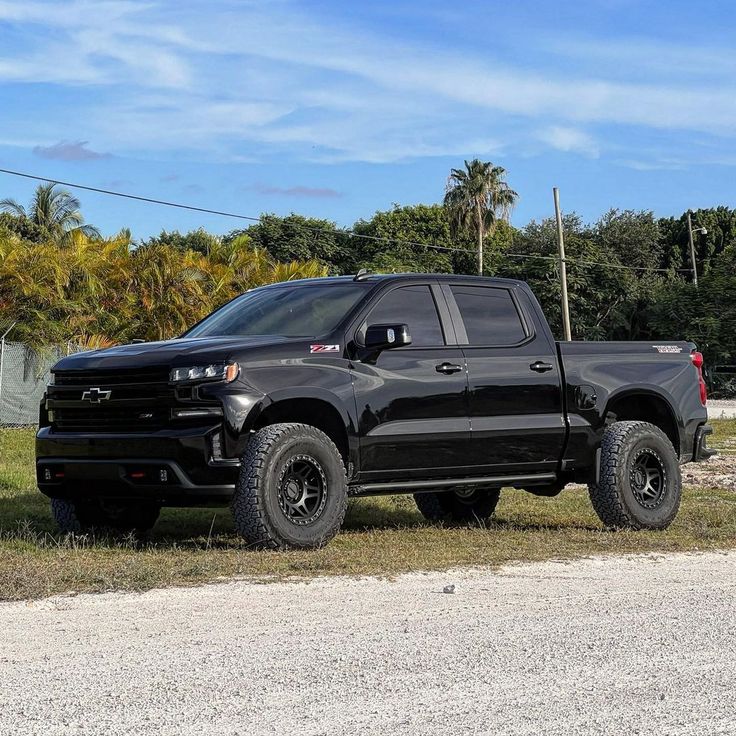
[[324, 348], [667, 348]]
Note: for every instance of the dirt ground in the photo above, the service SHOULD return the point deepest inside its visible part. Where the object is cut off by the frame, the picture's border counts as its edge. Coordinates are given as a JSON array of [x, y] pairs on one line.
[[718, 472], [622, 645]]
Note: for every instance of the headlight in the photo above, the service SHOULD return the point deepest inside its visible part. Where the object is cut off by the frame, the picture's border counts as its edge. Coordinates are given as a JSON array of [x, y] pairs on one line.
[[227, 372]]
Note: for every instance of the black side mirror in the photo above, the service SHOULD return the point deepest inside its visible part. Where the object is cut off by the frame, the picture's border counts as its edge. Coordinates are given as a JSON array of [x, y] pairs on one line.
[[383, 337]]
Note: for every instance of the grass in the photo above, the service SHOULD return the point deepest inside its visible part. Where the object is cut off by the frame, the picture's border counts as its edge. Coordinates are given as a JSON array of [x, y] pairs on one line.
[[382, 536]]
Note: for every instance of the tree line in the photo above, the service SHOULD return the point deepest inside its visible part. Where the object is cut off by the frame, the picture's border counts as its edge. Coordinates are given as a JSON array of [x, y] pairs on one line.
[[629, 272]]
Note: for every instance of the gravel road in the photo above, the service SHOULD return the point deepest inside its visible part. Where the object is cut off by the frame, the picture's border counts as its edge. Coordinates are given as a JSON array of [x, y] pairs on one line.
[[615, 646], [722, 409]]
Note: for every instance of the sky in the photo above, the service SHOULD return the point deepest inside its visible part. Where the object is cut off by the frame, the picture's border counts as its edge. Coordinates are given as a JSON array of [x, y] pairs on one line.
[[337, 109]]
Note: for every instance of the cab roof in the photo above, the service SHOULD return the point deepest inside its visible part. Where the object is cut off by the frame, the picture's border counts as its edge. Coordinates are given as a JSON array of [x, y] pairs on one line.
[[384, 277]]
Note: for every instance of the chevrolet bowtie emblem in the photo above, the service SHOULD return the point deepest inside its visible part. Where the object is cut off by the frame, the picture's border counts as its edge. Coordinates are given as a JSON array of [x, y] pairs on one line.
[[96, 395]]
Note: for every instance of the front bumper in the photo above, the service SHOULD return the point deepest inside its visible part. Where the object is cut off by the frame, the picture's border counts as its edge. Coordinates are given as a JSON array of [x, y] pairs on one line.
[[701, 451], [170, 467]]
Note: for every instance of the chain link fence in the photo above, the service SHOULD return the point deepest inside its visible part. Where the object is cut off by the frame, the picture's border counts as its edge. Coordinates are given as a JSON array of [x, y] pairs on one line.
[[24, 373]]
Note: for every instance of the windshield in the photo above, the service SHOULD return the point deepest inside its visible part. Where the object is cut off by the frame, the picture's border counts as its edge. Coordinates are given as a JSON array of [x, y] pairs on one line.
[[300, 311]]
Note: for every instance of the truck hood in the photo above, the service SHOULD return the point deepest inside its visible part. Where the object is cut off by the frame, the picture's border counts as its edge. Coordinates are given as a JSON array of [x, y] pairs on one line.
[[168, 353]]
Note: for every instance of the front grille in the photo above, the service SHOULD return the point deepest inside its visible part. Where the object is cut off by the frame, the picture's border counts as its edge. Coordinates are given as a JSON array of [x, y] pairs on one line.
[[96, 419], [98, 401], [115, 377]]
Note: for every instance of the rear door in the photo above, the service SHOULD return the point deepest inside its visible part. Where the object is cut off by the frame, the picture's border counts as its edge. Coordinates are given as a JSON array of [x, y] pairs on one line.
[[515, 399], [411, 401]]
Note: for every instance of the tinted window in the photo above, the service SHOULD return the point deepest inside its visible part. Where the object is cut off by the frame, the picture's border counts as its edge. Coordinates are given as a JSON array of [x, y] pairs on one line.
[[490, 315], [307, 310], [412, 306]]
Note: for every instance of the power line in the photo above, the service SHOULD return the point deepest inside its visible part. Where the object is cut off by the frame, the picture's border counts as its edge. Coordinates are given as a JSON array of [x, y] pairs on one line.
[[348, 233], [128, 196], [629, 268], [165, 203], [579, 262]]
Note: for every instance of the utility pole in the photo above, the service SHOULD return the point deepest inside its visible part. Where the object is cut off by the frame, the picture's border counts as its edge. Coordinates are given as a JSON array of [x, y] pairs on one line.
[[563, 267], [480, 242], [692, 247]]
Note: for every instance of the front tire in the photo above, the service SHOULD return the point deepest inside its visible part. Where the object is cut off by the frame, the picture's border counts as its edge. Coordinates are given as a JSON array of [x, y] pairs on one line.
[[476, 505], [122, 517], [292, 489], [639, 484]]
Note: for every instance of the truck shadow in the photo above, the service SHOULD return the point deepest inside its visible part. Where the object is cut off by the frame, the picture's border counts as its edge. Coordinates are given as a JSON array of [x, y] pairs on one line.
[[510, 525], [27, 520]]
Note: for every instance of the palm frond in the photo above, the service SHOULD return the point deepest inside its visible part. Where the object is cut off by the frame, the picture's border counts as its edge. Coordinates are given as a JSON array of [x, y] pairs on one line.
[[10, 205]]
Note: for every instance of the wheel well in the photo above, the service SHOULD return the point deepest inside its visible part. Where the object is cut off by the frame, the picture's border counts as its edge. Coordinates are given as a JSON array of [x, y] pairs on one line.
[[316, 413], [647, 408]]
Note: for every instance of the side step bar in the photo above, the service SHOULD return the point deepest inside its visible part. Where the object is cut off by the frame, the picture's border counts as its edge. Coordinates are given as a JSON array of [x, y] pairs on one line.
[[417, 486]]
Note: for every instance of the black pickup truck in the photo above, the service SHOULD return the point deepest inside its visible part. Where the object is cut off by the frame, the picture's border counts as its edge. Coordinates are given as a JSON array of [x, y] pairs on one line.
[[295, 396]]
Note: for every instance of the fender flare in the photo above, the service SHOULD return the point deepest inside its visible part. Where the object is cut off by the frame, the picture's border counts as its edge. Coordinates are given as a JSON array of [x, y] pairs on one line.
[[656, 392], [304, 392]]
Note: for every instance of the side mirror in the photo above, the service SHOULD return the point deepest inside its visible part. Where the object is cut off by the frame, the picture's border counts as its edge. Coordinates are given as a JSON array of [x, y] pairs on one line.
[[383, 337]]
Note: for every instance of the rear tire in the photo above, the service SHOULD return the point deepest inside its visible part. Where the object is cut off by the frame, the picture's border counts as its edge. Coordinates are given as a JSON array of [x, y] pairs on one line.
[[639, 484], [121, 517], [292, 489], [477, 505]]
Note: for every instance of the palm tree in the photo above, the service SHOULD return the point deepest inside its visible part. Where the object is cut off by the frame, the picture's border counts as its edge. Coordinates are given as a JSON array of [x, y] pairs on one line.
[[54, 210], [476, 197]]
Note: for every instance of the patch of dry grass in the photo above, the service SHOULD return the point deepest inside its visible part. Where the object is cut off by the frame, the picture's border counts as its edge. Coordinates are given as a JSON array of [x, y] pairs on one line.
[[382, 536], [724, 436]]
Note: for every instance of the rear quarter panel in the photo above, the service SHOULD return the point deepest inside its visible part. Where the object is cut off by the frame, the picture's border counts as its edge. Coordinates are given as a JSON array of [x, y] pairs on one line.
[[613, 370]]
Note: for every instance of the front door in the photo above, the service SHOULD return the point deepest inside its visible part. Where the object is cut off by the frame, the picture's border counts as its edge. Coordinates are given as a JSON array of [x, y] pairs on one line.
[[411, 401], [515, 398]]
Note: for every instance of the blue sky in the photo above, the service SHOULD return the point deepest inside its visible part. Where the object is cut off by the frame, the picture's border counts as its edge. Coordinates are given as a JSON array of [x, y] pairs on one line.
[[338, 109]]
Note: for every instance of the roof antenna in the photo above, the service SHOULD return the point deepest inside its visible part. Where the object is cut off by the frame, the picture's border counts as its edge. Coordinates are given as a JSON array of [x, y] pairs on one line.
[[362, 275]]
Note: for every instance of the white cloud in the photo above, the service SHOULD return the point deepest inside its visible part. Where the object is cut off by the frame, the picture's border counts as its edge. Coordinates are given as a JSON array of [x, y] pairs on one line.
[[637, 56], [653, 164], [226, 78], [569, 139], [69, 151], [91, 43]]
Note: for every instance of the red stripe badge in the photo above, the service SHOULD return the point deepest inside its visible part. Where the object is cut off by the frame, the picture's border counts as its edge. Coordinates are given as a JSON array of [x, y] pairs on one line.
[[324, 348]]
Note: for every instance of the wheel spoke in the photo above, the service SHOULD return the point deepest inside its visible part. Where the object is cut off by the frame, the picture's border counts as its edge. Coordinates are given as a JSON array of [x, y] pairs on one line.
[[648, 479], [302, 490], [648, 491]]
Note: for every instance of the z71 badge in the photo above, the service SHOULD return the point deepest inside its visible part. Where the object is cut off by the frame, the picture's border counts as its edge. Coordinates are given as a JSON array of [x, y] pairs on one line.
[[324, 348]]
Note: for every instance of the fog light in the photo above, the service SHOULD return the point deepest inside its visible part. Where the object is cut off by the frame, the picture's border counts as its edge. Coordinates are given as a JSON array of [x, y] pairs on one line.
[[51, 474], [202, 411], [217, 446]]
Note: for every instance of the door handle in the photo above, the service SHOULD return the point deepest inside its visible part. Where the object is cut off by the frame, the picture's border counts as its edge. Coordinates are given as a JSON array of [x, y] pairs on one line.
[[448, 368], [541, 367]]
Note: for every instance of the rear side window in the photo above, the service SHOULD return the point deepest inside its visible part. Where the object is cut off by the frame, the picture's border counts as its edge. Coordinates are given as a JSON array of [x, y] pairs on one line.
[[490, 315], [413, 306]]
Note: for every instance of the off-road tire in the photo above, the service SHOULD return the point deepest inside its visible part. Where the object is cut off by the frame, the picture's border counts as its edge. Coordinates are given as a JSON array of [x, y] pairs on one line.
[[450, 506], [119, 517], [616, 496], [65, 516], [260, 503]]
